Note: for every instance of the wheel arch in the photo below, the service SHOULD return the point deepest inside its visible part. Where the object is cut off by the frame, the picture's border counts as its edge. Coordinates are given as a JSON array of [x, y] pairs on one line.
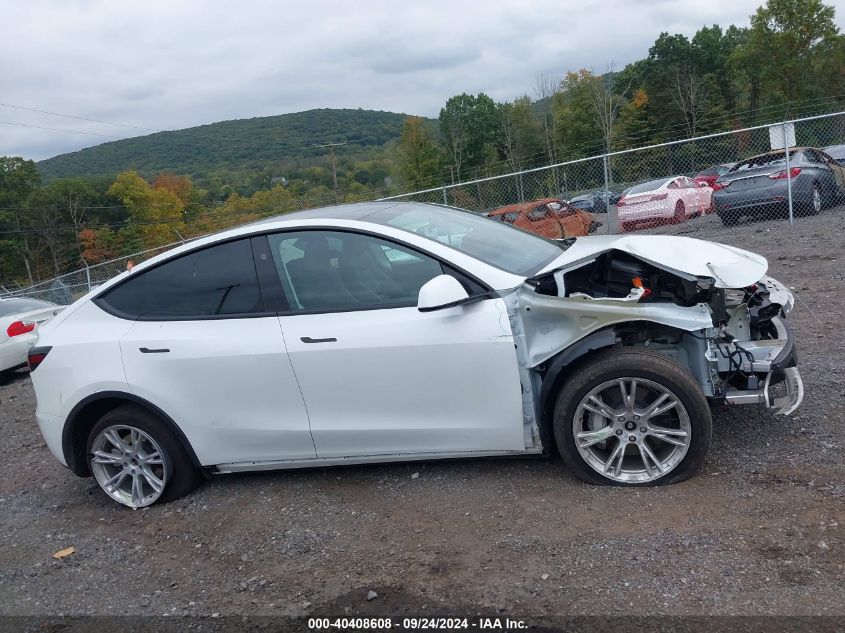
[[88, 411], [568, 360]]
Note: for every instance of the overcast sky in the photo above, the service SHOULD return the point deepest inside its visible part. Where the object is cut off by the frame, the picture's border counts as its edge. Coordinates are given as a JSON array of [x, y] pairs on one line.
[[167, 65]]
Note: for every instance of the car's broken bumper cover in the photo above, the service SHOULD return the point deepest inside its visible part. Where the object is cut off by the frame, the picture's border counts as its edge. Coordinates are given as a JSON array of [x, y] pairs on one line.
[[782, 388]]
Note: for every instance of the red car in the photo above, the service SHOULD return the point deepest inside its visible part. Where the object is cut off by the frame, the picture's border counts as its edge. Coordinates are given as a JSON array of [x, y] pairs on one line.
[[711, 174]]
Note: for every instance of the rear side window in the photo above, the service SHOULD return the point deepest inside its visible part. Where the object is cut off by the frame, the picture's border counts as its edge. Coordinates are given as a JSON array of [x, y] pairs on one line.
[[216, 281]]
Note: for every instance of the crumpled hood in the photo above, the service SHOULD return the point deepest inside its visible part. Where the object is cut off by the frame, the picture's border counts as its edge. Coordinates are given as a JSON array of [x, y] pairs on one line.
[[729, 267]]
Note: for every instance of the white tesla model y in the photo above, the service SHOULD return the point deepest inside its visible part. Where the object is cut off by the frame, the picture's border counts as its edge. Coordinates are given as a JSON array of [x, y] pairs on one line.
[[399, 331]]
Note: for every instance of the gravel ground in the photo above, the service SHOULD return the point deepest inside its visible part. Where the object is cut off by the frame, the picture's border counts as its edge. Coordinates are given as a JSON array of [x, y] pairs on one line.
[[758, 531]]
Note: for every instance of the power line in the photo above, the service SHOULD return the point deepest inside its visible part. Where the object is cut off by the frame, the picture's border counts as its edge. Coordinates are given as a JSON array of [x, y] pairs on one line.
[[73, 116], [56, 129]]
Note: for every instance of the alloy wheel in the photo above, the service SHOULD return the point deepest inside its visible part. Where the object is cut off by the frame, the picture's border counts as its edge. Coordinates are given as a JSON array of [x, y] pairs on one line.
[[632, 430], [129, 465]]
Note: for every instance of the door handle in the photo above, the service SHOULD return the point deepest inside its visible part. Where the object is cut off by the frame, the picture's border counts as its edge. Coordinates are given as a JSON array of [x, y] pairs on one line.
[[308, 339], [147, 350]]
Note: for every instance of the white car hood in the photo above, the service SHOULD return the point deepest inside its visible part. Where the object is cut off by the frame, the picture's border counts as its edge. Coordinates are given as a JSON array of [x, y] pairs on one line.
[[727, 266]]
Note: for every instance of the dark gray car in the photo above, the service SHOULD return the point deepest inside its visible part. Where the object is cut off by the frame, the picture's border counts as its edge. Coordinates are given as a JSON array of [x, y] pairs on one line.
[[593, 201], [758, 186]]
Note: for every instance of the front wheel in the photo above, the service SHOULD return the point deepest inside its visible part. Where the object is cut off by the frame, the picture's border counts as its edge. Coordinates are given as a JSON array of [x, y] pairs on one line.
[[137, 460], [632, 418]]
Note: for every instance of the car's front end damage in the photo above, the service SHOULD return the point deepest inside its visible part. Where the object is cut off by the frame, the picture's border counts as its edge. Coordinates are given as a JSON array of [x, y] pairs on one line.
[[752, 352], [709, 307]]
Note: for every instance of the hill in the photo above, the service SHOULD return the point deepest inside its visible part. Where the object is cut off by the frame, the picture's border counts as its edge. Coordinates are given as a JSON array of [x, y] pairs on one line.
[[240, 143]]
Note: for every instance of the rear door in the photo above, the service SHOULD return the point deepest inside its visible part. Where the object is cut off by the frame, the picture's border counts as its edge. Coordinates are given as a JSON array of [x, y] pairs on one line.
[[208, 350]]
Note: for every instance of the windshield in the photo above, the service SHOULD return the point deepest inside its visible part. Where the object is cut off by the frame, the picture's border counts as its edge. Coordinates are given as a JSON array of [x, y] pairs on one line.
[[772, 159], [19, 306], [495, 243], [651, 185]]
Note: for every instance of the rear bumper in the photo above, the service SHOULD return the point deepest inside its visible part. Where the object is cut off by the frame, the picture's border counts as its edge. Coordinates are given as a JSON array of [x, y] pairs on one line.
[[759, 199], [13, 351], [51, 427]]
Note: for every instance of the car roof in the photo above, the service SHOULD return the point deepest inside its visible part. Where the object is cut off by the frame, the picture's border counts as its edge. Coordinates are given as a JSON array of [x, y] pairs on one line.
[[354, 211], [774, 152], [524, 206]]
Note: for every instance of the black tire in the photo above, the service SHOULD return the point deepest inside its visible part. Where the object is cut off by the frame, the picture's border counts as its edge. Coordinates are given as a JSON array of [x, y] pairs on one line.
[[728, 218], [807, 207], [183, 476], [627, 362]]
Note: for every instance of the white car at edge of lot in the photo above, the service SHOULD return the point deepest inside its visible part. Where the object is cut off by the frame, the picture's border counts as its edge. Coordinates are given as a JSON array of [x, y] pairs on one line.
[[663, 201], [389, 331], [20, 318]]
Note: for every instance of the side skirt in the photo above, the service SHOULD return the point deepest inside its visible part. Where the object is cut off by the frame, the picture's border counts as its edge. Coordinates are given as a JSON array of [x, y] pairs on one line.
[[286, 464]]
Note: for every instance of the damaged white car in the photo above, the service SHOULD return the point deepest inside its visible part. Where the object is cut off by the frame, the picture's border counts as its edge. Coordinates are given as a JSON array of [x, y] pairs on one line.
[[387, 331]]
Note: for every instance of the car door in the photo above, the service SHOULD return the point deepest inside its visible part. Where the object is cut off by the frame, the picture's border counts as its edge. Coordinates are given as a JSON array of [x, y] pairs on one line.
[[207, 351], [380, 377]]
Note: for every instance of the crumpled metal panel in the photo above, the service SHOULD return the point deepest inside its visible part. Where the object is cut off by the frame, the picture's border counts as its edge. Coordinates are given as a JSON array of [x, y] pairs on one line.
[[551, 324]]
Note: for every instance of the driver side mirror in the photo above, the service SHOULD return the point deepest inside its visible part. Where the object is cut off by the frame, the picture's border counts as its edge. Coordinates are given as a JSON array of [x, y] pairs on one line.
[[444, 291], [703, 184]]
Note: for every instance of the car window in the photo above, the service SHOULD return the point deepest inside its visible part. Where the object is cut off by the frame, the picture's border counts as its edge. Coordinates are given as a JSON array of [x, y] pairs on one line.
[[675, 184], [19, 306], [772, 159], [811, 156], [496, 243], [538, 213], [651, 185], [339, 271], [215, 281]]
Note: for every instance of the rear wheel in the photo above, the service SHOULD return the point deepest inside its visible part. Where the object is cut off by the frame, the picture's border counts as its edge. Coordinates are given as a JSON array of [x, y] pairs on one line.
[[632, 418], [816, 203], [728, 218], [136, 459]]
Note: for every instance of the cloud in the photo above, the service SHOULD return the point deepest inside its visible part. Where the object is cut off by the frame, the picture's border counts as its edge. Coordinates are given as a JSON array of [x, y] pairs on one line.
[[164, 65]]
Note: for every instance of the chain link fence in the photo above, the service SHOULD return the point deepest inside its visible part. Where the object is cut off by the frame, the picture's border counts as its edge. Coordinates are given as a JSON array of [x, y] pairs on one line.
[[708, 183], [67, 288], [677, 187]]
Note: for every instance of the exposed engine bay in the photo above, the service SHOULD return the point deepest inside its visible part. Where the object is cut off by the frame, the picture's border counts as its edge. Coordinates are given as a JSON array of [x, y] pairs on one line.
[[735, 341]]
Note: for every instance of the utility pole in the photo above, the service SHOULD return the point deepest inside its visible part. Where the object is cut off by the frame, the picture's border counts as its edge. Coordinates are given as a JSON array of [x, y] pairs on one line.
[[334, 166]]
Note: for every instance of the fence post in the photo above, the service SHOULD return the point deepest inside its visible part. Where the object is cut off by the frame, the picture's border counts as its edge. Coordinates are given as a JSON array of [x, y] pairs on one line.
[[88, 277], [445, 198], [788, 174], [607, 197]]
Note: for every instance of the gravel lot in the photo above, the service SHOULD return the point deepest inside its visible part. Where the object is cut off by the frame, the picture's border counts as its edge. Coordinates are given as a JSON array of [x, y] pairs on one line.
[[758, 531]]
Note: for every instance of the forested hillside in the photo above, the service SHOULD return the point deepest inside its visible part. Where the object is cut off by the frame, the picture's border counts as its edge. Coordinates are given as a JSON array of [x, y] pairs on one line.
[[232, 145]]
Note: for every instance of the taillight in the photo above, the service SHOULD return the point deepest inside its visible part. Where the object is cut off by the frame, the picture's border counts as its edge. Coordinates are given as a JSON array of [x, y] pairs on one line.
[[19, 327], [36, 356], [621, 202], [793, 172]]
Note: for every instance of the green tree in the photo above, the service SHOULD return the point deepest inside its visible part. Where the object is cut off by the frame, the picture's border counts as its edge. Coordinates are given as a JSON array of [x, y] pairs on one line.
[[419, 157], [19, 178], [467, 128], [156, 213], [788, 45]]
